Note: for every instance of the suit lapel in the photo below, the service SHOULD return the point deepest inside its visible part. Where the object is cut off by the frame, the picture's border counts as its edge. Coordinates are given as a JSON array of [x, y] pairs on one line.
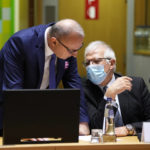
[[123, 102], [124, 105], [60, 70], [40, 46]]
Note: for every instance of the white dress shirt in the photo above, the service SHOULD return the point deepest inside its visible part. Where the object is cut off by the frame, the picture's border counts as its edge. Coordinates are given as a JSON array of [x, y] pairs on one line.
[[48, 53]]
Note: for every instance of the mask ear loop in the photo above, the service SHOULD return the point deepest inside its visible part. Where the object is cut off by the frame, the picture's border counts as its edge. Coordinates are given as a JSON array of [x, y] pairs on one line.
[[108, 61]]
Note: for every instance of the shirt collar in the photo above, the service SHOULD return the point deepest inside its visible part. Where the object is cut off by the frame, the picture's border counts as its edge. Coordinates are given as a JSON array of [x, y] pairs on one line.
[[48, 50], [110, 82]]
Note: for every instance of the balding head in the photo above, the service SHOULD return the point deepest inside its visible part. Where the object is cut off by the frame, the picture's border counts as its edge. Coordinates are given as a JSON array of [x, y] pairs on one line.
[[66, 38], [66, 27]]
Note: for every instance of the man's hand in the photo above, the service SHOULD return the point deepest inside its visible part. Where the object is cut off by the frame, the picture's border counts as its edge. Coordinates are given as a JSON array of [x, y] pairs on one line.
[[118, 86], [121, 131], [84, 128]]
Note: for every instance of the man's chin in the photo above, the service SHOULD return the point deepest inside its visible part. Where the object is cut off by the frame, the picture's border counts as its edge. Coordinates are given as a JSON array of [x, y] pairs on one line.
[[64, 58]]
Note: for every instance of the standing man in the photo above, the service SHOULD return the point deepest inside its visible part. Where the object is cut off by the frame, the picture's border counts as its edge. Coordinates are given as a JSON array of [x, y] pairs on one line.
[[25, 61], [130, 93]]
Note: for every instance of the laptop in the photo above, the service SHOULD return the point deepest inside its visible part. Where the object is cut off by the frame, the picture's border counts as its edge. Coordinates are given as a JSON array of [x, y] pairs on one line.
[[35, 113]]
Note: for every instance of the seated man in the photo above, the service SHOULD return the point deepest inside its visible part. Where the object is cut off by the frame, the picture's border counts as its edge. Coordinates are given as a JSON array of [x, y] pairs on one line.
[[130, 93]]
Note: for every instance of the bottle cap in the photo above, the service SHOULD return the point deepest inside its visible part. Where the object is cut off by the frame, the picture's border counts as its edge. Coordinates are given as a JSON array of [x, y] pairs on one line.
[[109, 99]]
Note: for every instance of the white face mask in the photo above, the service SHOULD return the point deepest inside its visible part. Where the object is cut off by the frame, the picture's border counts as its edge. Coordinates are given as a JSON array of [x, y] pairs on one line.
[[96, 73]]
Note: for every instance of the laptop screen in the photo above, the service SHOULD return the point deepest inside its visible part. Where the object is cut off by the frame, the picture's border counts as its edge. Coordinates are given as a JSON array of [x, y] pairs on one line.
[[35, 113]]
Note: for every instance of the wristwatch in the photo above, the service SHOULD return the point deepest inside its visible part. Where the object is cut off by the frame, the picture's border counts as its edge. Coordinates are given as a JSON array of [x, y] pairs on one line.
[[130, 129]]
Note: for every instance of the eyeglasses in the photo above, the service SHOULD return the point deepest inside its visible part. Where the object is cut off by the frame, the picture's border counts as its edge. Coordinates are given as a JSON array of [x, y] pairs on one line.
[[94, 61], [68, 49]]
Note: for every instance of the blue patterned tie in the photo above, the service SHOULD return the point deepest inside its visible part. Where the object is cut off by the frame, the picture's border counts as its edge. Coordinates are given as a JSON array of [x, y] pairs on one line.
[[118, 120], [52, 78]]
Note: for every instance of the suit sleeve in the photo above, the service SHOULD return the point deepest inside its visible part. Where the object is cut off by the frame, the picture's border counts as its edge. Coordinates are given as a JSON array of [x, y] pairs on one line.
[[13, 65], [96, 114], [95, 103], [71, 79], [144, 95]]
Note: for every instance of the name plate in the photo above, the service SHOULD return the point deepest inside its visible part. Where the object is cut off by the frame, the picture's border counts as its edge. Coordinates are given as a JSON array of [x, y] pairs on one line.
[[146, 132]]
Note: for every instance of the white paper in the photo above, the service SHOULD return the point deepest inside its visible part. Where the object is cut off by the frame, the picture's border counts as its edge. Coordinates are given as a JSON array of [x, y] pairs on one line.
[[85, 138], [146, 132]]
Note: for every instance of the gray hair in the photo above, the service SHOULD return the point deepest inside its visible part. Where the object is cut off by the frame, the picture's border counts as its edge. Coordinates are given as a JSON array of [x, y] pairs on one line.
[[97, 45], [65, 27]]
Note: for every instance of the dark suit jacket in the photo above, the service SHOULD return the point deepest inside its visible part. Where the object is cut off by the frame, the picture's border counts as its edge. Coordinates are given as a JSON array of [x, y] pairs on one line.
[[22, 62], [134, 104]]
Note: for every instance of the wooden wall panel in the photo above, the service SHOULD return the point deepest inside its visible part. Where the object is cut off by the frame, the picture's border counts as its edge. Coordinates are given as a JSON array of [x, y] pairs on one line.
[[140, 12], [110, 27]]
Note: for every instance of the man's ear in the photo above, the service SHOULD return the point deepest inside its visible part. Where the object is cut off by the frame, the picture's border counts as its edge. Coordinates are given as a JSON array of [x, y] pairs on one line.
[[112, 63], [52, 41]]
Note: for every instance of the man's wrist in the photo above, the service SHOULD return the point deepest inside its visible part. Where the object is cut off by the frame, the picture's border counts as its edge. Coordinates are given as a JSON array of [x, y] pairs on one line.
[[130, 129], [105, 97], [110, 93]]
